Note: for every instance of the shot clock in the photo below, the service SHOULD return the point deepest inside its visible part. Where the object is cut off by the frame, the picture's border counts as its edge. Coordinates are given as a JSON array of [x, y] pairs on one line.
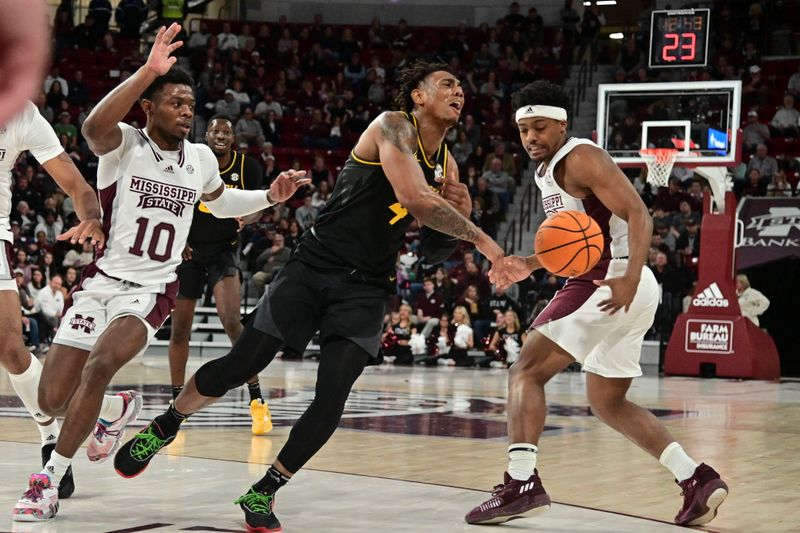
[[679, 38]]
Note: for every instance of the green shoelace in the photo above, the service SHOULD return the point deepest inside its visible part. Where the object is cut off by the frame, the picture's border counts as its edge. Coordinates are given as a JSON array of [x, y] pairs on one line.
[[147, 444], [258, 502]]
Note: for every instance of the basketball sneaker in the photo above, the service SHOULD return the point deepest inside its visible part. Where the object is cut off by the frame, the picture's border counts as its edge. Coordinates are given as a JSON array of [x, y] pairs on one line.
[[39, 502], [510, 500], [135, 455], [702, 493], [262, 420], [67, 485], [106, 437], [258, 515]]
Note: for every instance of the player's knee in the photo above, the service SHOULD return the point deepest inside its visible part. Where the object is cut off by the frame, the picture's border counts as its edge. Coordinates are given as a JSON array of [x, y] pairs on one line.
[[14, 357], [98, 371], [180, 333], [211, 379], [604, 406], [52, 402], [527, 370]]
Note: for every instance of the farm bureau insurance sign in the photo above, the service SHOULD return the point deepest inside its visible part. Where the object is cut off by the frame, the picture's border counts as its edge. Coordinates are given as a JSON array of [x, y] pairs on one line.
[[771, 230]]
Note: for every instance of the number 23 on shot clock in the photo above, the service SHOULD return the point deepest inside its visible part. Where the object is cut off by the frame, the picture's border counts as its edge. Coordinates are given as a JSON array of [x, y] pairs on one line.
[[679, 38]]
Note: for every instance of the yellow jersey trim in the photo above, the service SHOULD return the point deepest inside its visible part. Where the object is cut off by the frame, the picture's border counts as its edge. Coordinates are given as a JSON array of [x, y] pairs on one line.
[[241, 172], [421, 148], [232, 163], [363, 161]]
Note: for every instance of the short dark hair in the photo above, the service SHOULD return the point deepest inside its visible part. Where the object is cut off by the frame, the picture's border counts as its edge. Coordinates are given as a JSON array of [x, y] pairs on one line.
[[220, 116], [410, 79], [176, 75], [541, 92]]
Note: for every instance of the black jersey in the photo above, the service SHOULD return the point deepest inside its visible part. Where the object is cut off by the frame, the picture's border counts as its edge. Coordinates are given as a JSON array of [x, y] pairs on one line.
[[362, 227], [209, 234]]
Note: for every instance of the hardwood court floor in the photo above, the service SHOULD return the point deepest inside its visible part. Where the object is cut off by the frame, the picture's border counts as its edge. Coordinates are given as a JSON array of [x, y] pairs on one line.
[[418, 447]]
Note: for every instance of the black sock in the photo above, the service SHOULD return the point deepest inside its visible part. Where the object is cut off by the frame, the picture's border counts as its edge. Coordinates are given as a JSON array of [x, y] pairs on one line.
[[170, 422], [255, 391], [271, 482], [176, 390]]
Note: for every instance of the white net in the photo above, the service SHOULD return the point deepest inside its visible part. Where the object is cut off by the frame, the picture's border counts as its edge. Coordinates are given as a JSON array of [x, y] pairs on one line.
[[659, 164]]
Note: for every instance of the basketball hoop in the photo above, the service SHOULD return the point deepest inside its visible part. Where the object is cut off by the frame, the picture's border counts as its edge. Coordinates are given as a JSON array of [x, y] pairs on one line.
[[659, 164]]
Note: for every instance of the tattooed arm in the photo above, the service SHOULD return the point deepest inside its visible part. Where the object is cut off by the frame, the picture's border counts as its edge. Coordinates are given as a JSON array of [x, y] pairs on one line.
[[394, 139]]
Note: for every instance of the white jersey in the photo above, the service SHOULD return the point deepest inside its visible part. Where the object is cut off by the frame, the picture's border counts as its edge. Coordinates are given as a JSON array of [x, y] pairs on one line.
[[28, 130], [147, 198], [554, 199]]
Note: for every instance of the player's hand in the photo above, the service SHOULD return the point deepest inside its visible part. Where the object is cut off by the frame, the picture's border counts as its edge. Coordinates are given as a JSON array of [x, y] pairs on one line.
[[492, 251], [186, 254], [516, 269], [286, 184], [456, 194], [160, 60], [24, 53], [89, 229], [241, 223], [623, 290]]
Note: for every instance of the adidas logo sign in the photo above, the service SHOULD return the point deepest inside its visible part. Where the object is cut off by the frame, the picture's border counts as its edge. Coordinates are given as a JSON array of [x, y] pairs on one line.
[[169, 170], [711, 297]]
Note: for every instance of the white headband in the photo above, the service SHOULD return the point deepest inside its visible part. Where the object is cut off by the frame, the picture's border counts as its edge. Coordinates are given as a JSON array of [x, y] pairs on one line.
[[541, 111]]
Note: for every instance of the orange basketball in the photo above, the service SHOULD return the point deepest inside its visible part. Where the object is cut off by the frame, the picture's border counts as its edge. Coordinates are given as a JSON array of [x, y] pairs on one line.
[[569, 243]]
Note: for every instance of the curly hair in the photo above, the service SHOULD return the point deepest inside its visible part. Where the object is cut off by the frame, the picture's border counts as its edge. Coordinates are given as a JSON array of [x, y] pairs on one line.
[[410, 79], [541, 92], [175, 75]]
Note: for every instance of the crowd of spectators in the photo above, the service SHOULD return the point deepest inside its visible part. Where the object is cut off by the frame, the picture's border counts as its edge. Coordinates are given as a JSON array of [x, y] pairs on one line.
[[300, 94]]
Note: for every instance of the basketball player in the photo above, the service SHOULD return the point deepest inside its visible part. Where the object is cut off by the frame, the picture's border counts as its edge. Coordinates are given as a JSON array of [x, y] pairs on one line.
[[339, 278], [210, 257], [148, 181], [28, 130], [598, 319]]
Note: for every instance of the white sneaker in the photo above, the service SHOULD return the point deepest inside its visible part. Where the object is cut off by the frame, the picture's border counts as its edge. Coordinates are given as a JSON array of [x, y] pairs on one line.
[[39, 502], [105, 439]]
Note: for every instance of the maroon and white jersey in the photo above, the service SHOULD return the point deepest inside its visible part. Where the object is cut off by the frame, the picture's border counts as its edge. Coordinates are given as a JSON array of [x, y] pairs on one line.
[[555, 199], [147, 198], [28, 130]]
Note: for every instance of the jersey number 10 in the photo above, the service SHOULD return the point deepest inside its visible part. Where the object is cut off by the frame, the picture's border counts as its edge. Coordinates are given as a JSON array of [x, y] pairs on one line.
[[152, 249]]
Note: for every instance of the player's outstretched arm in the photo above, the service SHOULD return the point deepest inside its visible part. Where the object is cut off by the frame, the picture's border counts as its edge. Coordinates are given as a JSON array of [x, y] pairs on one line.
[[396, 139], [100, 129], [229, 203], [69, 178]]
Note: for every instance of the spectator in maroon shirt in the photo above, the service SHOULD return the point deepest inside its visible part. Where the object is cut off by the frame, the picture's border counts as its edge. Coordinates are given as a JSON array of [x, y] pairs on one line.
[[429, 305]]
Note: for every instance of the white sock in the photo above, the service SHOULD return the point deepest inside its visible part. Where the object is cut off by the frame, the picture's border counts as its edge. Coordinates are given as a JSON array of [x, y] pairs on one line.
[[49, 432], [675, 459], [112, 408], [56, 467], [522, 460], [26, 386]]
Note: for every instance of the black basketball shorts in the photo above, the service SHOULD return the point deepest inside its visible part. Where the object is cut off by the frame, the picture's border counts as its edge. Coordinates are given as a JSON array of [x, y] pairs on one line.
[[196, 272], [302, 300]]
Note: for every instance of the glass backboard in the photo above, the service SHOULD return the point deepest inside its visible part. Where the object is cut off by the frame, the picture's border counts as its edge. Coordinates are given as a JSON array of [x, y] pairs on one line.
[[699, 119]]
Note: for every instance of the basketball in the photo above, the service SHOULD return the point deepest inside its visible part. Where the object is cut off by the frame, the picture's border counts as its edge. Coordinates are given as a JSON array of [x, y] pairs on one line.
[[569, 243]]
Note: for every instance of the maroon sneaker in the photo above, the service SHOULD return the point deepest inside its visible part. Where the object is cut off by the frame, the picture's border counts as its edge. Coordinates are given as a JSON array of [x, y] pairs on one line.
[[513, 499], [703, 493]]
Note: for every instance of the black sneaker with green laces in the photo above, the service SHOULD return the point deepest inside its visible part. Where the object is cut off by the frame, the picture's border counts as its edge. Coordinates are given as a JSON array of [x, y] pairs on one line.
[[134, 456], [258, 515]]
